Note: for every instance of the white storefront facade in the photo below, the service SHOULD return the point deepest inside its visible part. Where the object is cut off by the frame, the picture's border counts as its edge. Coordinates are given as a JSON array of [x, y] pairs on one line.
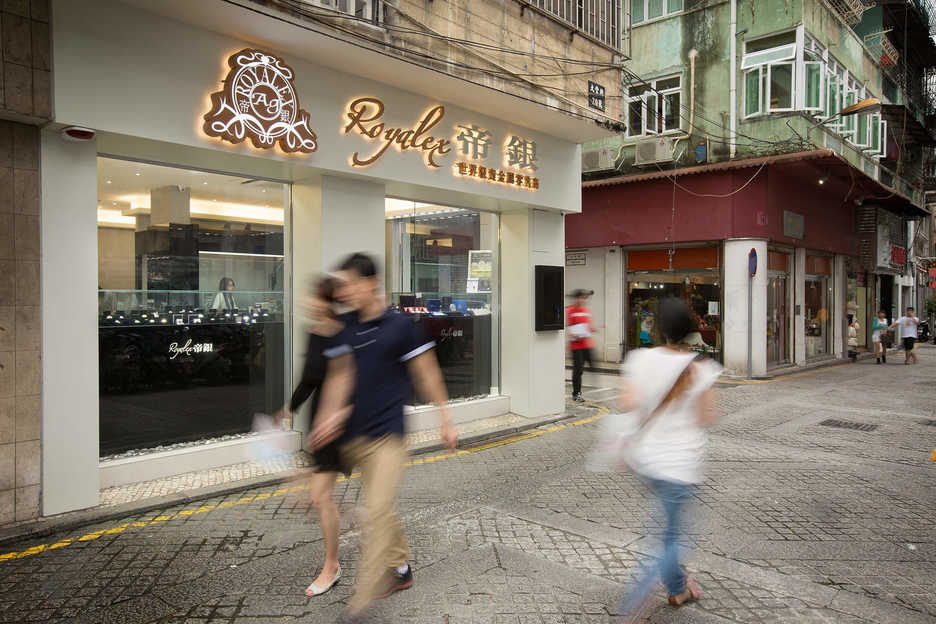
[[235, 157]]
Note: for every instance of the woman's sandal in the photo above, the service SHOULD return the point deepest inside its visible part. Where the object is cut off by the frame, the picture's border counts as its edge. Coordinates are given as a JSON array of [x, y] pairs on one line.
[[694, 594]]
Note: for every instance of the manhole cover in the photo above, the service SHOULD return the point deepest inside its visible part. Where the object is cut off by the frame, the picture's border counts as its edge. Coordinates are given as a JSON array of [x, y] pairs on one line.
[[929, 423], [845, 424]]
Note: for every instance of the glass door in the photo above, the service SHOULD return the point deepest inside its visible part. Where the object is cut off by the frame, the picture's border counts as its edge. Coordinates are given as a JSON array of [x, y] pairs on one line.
[[778, 319]]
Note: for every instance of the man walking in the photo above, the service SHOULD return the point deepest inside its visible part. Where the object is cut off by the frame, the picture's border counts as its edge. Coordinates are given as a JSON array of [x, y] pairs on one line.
[[389, 353], [578, 320], [908, 331]]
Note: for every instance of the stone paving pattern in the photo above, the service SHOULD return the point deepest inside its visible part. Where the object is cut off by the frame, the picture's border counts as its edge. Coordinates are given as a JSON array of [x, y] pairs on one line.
[[796, 522]]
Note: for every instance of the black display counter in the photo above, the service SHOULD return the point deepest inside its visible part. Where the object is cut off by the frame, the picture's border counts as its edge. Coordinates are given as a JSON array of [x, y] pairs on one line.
[[463, 347], [162, 384]]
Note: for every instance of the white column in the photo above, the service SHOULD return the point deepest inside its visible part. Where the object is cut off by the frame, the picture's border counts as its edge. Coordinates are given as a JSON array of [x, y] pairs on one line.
[[799, 306], [613, 300], [353, 217], [839, 317], [69, 269], [532, 366], [736, 319]]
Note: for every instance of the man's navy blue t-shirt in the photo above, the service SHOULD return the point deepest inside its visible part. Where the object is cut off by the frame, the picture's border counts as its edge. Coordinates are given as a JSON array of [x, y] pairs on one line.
[[382, 349]]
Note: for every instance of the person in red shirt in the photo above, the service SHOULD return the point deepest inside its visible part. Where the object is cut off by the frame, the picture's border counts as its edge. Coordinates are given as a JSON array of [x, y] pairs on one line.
[[580, 328]]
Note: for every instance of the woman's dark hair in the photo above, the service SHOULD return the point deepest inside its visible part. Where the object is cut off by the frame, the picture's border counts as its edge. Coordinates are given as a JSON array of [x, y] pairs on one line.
[[675, 319], [360, 263], [325, 287], [223, 284]]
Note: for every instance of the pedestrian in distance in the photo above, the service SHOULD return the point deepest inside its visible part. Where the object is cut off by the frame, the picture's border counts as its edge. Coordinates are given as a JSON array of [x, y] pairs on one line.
[[853, 327], [390, 354], [666, 395], [908, 332], [878, 329], [579, 322], [322, 331]]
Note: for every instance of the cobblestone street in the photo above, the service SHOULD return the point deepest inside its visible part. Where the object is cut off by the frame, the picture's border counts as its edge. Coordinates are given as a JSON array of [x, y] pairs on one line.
[[818, 507]]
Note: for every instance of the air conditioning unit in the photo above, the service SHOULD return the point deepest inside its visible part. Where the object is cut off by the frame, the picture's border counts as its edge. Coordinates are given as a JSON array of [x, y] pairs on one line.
[[598, 160], [655, 150]]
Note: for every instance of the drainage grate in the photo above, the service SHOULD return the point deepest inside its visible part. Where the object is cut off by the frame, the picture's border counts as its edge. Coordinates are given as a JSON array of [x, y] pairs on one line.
[[845, 424], [928, 423]]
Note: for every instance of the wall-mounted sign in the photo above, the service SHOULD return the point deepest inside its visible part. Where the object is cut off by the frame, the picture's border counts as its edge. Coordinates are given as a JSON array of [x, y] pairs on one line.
[[188, 348], [364, 115], [575, 258], [480, 268], [898, 255], [794, 225], [596, 96], [258, 102]]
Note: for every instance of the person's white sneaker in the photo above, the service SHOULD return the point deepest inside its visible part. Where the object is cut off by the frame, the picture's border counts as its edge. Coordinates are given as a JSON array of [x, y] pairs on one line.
[[315, 590]]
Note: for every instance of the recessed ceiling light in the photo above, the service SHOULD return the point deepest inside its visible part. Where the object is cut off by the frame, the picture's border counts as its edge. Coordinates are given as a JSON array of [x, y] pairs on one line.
[[137, 173], [108, 181], [263, 190], [114, 203], [204, 183]]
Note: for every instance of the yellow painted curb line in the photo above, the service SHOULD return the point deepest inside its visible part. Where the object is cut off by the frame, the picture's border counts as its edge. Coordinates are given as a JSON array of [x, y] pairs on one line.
[[282, 491]]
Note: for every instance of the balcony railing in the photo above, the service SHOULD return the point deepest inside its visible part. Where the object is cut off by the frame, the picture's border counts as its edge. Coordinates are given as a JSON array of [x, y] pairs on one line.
[[599, 19]]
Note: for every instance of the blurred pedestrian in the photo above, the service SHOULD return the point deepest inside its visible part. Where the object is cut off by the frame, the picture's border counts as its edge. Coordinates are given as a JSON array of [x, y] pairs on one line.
[[322, 331], [579, 322], [878, 339], [853, 339], [390, 352], [667, 395], [908, 332]]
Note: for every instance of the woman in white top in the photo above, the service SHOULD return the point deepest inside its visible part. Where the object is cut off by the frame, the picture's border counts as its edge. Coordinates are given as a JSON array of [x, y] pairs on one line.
[[671, 393], [224, 300]]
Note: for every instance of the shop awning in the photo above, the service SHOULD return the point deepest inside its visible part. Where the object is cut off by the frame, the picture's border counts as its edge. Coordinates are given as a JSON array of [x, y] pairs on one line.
[[821, 162]]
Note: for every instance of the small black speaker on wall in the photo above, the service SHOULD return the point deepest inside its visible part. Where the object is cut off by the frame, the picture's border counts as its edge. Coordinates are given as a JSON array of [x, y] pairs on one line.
[[549, 297]]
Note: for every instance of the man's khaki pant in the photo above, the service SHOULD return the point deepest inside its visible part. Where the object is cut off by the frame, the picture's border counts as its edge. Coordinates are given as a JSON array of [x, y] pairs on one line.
[[381, 461]]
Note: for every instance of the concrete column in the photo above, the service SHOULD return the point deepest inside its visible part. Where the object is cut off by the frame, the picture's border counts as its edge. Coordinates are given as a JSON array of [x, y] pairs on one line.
[[170, 204], [736, 307], [69, 266], [353, 217], [799, 302], [533, 373], [614, 304], [839, 317]]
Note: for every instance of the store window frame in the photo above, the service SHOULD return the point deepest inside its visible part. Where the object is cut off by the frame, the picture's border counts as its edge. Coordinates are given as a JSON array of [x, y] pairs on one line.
[[718, 272], [831, 316], [289, 374], [790, 294], [496, 299]]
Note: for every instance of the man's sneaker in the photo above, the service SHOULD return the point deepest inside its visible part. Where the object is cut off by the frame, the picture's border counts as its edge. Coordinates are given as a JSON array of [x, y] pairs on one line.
[[397, 582], [578, 397]]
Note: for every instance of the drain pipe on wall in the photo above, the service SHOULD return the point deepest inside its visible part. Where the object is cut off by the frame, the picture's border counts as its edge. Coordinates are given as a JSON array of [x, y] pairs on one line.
[[693, 54], [733, 79]]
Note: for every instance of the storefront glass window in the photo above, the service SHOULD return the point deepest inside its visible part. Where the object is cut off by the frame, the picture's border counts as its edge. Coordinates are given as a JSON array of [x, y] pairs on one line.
[[818, 313], [191, 303], [442, 270], [650, 279]]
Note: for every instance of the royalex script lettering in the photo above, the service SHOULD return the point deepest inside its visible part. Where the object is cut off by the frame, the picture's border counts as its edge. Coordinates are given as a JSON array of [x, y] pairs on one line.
[[188, 349], [364, 115]]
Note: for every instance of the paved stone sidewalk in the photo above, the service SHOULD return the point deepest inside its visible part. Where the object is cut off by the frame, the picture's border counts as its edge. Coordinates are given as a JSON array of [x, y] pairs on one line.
[[797, 522]]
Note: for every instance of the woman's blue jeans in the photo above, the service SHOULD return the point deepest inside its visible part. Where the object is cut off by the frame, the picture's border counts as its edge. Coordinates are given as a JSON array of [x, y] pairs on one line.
[[674, 497]]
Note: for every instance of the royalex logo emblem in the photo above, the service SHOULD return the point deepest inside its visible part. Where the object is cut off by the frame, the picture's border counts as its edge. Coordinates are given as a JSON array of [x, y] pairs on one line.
[[188, 348], [258, 102]]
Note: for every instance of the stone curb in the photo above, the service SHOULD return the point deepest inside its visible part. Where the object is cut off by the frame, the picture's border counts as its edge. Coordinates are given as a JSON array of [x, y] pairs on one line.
[[45, 527]]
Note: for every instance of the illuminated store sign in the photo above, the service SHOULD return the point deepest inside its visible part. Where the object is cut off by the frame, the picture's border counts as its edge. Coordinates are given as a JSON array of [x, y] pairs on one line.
[[258, 102], [188, 348], [364, 115]]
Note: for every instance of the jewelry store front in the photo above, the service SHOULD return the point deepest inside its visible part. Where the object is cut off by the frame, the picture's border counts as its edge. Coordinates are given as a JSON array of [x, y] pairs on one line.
[[186, 233]]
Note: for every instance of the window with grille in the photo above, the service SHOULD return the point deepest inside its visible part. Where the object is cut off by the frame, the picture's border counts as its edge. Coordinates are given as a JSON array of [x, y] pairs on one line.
[[600, 19]]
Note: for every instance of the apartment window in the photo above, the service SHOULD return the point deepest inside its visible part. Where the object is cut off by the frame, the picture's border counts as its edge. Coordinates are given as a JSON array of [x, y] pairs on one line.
[[654, 108], [600, 19], [769, 72], [646, 10]]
